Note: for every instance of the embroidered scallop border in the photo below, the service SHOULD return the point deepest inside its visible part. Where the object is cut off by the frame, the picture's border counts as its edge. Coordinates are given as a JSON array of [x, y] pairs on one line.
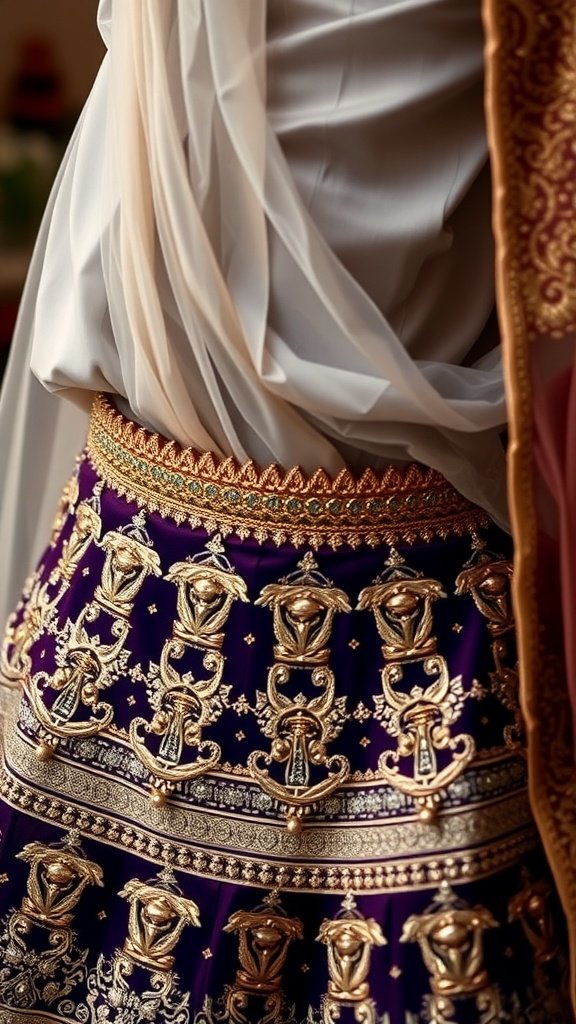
[[399, 505]]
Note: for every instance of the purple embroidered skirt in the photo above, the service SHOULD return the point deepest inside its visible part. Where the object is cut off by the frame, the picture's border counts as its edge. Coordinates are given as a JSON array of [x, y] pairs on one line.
[[262, 757]]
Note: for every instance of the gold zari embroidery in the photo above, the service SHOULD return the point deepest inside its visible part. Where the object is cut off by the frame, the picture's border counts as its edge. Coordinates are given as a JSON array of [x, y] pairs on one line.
[[158, 915], [349, 938], [39, 959], [184, 704], [304, 605], [86, 668], [375, 857], [450, 937], [419, 718], [264, 937], [415, 503]]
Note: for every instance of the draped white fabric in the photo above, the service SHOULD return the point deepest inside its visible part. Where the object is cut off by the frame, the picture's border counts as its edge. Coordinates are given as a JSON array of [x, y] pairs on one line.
[[271, 236]]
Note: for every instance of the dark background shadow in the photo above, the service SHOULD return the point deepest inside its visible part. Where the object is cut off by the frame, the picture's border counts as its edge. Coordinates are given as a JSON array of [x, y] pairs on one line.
[[50, 51]]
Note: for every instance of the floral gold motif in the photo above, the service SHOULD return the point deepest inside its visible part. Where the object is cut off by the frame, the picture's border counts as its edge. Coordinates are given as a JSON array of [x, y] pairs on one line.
[[419, 718], [350, 939], [506, 685], [130, 557], [449, 934], [86, 529], [265, 934], [304, 605], [300, 730], [86, 666], [184, 704], [158, 915], [421, 721], [486, 577], [207, 587], [301, 726], [38, 612], [58, 876], [401, 601], [113, 998]]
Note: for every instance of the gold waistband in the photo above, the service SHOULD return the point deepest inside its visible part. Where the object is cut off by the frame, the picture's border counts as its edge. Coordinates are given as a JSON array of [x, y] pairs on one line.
[[219, 495]]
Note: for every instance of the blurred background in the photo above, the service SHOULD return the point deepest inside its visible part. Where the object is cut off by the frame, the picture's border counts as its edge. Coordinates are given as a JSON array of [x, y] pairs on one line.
[[50, 51]]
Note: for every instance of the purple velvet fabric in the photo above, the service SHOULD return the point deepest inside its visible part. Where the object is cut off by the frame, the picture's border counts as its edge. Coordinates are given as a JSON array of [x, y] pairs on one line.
[[91, 982]]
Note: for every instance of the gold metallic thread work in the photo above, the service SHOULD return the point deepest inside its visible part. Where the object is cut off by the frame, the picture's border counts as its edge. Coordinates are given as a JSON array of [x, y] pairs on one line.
[[470, 842], [223, 497], [401, 601], [86, 666], [418, 717], [185, 703], [39, 960], [449, 934], [158, 915], [301, 724], [264, 934], [350, 939]]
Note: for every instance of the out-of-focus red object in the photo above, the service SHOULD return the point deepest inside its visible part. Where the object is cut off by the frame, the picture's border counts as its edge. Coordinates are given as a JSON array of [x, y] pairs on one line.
[[36, 100]]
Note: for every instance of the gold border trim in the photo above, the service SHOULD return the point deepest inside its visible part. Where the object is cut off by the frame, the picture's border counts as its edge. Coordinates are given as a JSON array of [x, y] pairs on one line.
[[531, 69], [414, 503], [10, 1015], [380, 858]]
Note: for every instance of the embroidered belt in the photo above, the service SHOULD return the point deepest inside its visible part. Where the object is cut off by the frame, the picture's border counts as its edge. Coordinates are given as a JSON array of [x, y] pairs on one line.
[[414, 503]]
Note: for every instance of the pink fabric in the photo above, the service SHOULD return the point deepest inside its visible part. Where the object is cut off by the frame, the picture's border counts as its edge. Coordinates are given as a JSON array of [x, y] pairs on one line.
[[555, 449]]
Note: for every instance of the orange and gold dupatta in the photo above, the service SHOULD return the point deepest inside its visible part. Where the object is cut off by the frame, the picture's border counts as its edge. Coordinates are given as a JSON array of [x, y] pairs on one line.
[[531, 109]]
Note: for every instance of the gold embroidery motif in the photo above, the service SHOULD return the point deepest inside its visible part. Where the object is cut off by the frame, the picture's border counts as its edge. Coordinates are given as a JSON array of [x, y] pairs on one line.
[[370, 856], [487, 578], [158, 915], [271, 504], [39, 958], [265, 935], [304, 605], [421, 721], [86, 529], [419, 718], [58, 877], [449, 934], [184, 705], [38, 613], [86, 667], [113, 999], [129, 558], [401, 602], [350, 939], [207, 587]]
